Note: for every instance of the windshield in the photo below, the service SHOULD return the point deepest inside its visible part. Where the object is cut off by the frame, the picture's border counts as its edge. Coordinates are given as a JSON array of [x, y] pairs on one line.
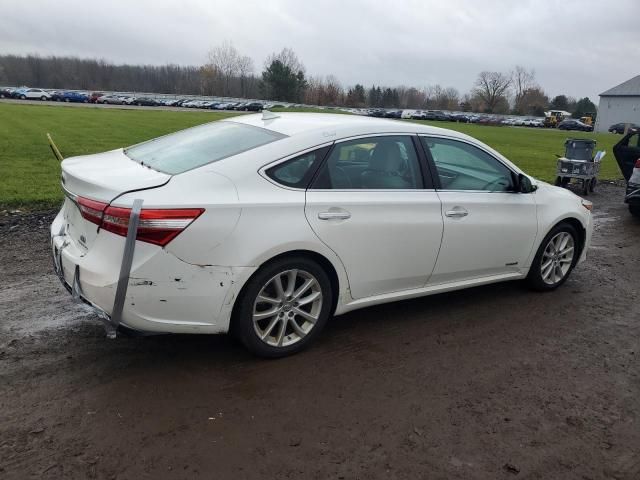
[[188, 149]]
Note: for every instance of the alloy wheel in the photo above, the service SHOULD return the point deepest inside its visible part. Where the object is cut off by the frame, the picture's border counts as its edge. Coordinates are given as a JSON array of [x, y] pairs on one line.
[[557, 258], [287, 308]]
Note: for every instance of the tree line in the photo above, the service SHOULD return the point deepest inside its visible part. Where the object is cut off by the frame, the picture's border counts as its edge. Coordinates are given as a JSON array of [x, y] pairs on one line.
[[228, 73]]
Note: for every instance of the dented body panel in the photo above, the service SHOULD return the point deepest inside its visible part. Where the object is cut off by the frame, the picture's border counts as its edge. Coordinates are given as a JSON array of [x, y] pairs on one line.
[[164, 294]]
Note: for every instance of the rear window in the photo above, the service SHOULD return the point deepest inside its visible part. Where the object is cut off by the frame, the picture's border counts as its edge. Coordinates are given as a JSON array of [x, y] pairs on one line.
[[192, 148]]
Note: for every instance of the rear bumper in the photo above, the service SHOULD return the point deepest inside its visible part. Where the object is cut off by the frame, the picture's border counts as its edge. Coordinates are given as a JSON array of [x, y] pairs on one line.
[[164, 294]]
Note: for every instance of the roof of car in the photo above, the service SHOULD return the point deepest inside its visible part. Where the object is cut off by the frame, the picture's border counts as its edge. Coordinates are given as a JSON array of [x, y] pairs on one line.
[[327, 124]]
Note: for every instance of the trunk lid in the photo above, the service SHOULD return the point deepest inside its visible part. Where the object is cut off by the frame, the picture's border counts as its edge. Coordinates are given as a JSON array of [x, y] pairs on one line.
[[104, 176], [101, 177]]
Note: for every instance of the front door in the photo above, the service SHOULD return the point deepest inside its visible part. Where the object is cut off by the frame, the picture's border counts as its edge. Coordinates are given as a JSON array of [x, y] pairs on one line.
[[489, 229]]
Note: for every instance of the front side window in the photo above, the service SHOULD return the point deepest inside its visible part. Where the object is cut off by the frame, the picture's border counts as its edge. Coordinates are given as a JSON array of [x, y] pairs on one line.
[[373, 163], [298, 171], [188, 149], [461, 166]]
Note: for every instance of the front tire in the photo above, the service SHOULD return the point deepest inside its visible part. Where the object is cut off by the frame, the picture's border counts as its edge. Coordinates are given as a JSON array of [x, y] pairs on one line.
[[634, 210], [555, 259], [283, 307]]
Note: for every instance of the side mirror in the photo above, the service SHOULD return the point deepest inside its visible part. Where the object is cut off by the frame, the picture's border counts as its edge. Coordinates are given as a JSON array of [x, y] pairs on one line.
[[524, 184]]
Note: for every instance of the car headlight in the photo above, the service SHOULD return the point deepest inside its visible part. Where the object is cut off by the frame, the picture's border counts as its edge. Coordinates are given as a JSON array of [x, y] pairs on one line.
[[587, 204]]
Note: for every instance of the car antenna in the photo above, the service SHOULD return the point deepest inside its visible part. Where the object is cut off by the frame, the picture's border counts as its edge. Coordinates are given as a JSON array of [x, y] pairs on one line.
[[54, 148], [268, 115]]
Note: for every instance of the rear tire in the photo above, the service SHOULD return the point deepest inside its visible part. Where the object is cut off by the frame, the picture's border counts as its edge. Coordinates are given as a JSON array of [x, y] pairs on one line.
[[300, 307], [593, 183], [554, 261]]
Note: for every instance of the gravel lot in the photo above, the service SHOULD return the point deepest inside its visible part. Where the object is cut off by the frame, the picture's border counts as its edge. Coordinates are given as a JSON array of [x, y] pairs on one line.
[[491, 383]]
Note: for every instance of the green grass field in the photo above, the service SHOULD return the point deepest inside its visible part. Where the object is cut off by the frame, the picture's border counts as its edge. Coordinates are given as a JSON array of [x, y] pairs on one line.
[[30, 175]]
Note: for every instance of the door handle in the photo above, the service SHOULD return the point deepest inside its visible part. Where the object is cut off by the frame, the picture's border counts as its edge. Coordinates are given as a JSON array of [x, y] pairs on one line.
[[334, 215], [457, 213]]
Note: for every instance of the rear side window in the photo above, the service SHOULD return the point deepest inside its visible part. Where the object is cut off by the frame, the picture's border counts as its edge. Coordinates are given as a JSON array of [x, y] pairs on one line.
[[372, 163], [297, 172], [192, 148]]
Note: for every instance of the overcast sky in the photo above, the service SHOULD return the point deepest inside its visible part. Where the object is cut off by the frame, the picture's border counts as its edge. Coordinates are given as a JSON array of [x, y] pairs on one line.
[[577, 47]]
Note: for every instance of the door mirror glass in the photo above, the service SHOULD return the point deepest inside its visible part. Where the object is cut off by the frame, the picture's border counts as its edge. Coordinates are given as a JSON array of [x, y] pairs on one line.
[[525, 185]]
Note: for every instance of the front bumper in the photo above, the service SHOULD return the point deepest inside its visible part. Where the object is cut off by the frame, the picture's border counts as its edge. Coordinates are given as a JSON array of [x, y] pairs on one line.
[[632, 196], [163, 293]]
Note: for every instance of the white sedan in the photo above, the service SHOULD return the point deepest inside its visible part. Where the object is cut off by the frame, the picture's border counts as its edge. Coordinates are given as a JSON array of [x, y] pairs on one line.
[[266, 225]]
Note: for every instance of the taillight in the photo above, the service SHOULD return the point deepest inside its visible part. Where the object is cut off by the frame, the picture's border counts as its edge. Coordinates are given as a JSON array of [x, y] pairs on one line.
[[637, 165], [91, 210], [157, 226]]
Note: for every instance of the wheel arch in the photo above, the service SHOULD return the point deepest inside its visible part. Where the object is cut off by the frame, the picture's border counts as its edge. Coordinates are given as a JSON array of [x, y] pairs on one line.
[[320, 259], [582, 232], [576, 224]]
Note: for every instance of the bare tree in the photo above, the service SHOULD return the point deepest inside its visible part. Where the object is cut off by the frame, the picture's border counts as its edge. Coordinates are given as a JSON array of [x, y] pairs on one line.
[[245, 72], [523, 80], [492, 88], [288, 58], [224, 61], [333, 91]]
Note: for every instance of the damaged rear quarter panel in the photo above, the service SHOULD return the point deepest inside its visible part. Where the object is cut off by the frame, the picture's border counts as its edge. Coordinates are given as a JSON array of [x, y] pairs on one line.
[[191, 298], [196, 189]]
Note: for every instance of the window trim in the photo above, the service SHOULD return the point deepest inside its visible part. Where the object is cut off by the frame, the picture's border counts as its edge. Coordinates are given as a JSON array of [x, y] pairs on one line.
[[425, 176], [262, 171], [309, 175], [434, 168]]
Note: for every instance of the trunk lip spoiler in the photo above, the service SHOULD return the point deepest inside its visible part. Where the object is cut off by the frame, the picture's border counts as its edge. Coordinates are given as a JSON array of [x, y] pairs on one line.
[[69, 194]]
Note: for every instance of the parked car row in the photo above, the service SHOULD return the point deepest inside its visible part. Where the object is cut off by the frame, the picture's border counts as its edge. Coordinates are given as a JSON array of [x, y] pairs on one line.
[[26, 93]]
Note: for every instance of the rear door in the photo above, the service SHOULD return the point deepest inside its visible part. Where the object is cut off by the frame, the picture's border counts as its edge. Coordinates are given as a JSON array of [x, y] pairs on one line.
[[627, 152], [489, 229], [371, 204]]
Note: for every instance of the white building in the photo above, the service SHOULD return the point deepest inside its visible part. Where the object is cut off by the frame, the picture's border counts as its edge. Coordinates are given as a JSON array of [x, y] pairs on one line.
[[620, 104]]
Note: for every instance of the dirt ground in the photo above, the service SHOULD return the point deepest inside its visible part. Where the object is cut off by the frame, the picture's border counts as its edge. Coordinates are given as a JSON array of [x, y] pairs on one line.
[[495, 382]]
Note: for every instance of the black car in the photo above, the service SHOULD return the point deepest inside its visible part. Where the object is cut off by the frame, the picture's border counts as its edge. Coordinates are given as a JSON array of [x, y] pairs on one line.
[[627, 153], [145, 101], [439, 115], [393, 114], [6, 92], [571, 124], [619, 127], [252, 107]]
